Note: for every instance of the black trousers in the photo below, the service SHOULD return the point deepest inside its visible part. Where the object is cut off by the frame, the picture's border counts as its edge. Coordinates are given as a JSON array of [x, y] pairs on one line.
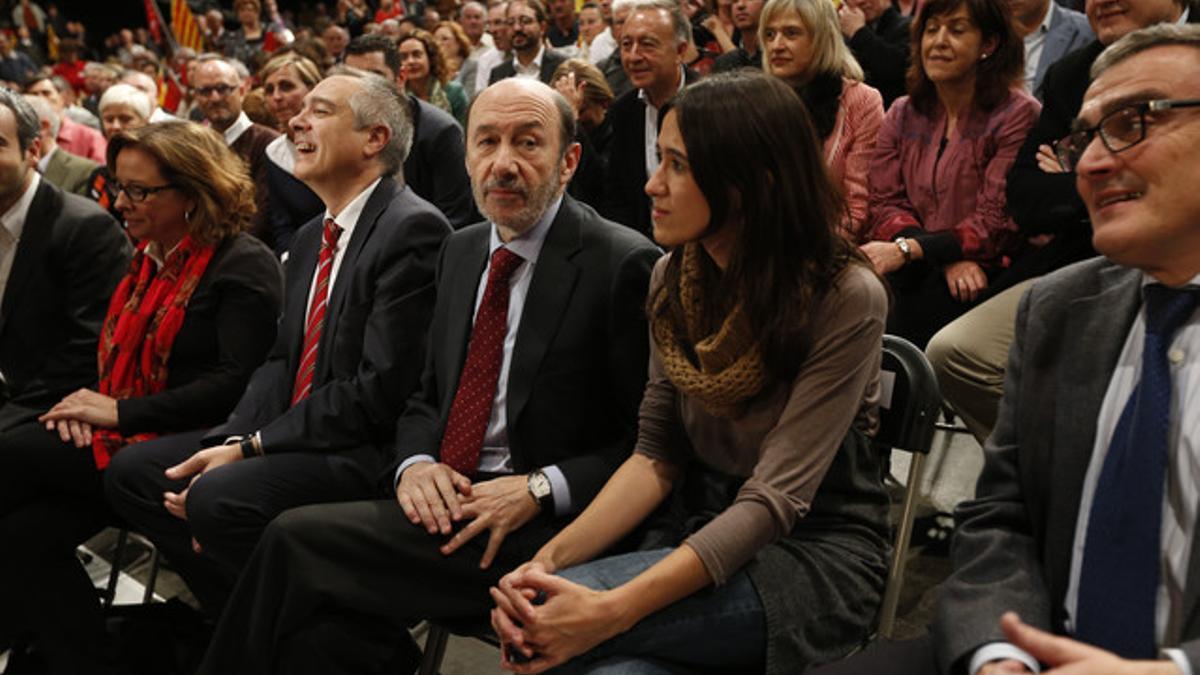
[[907, 657], [333, 589], [51, 500], [922, 304], [229, 507]]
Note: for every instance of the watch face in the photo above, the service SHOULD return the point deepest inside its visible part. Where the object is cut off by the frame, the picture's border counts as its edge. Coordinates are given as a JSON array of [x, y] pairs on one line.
[[539, 485]]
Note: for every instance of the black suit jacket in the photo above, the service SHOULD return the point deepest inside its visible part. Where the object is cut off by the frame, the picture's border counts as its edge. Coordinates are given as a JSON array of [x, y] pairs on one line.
[[69, 259], [436, 167], [371, 351], [229, 326], [579, 365], [625, 199], [883, 50], [550, 61]]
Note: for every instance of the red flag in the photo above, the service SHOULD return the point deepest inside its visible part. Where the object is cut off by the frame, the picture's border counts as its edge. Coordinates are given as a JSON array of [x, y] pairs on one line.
[[152, 21]]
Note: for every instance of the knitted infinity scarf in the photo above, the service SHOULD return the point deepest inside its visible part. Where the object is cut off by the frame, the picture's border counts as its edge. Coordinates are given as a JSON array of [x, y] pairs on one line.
[[144, 316], [728, 369]]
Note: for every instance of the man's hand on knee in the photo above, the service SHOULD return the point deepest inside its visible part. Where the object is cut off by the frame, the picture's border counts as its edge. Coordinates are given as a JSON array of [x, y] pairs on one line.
[[430, 494], [499, 506], [195, 466]]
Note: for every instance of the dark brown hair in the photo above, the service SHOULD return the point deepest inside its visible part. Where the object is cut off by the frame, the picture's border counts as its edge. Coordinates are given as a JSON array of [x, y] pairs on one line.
[[994, 76], [755, 156], [437, 67]]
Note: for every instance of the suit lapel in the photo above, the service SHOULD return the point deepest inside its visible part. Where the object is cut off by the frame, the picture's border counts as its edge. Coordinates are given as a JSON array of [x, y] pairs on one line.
[[1098, 325], [376, 204], [39, 224], [550, 290], [463, 284]]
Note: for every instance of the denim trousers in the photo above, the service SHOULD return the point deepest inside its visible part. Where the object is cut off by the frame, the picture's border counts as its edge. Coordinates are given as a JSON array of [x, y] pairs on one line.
[[717, 629]]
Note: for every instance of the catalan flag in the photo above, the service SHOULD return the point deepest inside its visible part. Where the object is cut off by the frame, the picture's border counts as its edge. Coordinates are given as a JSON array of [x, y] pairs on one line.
[[183, 25]]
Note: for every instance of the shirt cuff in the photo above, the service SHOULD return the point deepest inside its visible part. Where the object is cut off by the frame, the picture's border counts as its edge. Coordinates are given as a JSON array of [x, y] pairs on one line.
[[560, 492], [998, 651], [409, 462], [1179, 659]]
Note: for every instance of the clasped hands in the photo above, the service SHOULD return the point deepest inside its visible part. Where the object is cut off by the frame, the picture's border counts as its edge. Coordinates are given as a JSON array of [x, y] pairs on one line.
[[435, 496], [549, 620], [79, 414], [1066, 656]]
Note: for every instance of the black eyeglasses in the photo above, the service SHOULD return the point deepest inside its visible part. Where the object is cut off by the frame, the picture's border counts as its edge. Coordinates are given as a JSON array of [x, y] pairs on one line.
[[1119, 130], [138, 193], [221, 90]]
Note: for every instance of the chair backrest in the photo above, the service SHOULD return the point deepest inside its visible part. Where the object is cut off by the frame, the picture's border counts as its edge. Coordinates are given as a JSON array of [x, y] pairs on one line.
[[911, 399]]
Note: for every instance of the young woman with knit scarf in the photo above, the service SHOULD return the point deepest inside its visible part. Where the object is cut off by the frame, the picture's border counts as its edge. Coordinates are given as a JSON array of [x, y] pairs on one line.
[[185, 328], [753, 485], [802, 44]]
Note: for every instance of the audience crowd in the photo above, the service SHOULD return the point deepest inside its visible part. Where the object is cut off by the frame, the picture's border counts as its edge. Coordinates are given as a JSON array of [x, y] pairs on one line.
[[566, 317]]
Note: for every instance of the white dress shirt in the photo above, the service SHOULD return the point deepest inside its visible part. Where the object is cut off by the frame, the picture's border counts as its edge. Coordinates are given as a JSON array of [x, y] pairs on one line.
[[1180, 499], [495, 456], [534, 69], [487, 60], [652, 127], [235, 130], [1035, 44], [347, 220]]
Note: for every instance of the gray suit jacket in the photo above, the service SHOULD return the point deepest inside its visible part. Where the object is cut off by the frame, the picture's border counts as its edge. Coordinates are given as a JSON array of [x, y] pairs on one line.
[[70, 172], [1012, 550], [1069, 30]]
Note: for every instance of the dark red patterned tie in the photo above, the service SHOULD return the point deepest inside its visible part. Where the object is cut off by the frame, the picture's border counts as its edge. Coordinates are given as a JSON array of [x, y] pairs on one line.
[[472, 407], [316, 312]]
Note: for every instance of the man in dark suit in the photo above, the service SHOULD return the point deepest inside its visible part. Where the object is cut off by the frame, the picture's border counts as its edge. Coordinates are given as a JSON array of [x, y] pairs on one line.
[[1084, 517], [528, 403], [878, 36], [61, 256], [219, 90], [69, 172], [316, 421], [653, 41], [531, 57], [435, 168]]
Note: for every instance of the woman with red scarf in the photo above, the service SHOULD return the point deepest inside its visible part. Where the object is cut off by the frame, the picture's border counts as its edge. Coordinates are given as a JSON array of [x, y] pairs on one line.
[[192, 319]]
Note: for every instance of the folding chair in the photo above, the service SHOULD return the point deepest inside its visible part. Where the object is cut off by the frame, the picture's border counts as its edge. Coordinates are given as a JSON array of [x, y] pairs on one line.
[[909, 410]]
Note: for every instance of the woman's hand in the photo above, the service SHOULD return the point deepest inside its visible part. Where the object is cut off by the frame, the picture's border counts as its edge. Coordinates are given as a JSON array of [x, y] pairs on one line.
[[1048, 161], [885, 256], [572, 90], [965, 279], [92, 408], [572, 620]]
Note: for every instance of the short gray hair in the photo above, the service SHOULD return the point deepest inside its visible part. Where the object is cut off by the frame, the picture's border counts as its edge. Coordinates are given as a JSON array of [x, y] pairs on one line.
[[1159, 35], [379, 102], [28, 126], [127, 95], [45, 113], [679, 23]]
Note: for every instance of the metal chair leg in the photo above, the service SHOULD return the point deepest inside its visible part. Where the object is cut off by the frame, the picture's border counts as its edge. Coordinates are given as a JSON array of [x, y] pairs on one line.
[[895, 580], [148, 595], [114, 574], [435, 649]]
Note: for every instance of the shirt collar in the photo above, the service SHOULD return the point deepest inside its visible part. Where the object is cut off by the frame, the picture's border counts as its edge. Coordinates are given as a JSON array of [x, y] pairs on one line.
[[154, 252], [529, 244], [13, 219], [239, 126], [645, 98], [348, 218], [45, 160], [1183, 18], [1048, 19]]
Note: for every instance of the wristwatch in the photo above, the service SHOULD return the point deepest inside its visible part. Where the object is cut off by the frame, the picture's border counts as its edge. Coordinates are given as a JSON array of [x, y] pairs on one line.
[[902, 244], [539, 488]]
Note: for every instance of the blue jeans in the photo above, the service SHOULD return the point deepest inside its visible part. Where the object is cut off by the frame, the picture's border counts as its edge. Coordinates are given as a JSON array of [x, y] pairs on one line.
[[717, 628]]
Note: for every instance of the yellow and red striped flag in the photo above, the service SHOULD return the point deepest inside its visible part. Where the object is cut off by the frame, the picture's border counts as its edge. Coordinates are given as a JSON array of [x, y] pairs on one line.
[[183, 25]]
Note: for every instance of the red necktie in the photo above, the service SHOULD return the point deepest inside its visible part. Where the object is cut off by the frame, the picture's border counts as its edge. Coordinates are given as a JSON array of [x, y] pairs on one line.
[[316, 312], [472, 407]]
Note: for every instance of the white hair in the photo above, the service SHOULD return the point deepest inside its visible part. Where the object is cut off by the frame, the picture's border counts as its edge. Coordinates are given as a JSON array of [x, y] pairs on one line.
[[127, 95]]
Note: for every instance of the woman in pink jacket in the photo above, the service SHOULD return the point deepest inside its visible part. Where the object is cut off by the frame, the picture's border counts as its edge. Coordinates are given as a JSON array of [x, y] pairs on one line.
[[803, 46], [940, 228]]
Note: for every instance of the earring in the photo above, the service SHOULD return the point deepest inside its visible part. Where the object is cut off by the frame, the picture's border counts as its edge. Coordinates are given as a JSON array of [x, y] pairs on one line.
[[983, 57], [187, 216]]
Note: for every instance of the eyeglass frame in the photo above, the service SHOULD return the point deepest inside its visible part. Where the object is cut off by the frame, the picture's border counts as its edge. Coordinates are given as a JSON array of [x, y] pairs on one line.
[[132, 191], [1062, 147], [221, 90]]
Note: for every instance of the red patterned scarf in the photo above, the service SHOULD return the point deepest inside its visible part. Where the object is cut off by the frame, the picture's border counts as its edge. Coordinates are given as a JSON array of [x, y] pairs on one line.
[[144, 317]]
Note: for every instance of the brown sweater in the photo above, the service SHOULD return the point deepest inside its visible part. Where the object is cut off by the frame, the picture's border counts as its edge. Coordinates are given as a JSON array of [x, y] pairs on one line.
[[785, 442], [251, 146]]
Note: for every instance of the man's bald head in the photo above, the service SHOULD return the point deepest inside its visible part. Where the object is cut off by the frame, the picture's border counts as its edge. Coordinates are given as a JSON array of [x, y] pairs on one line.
[[516, 87]]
